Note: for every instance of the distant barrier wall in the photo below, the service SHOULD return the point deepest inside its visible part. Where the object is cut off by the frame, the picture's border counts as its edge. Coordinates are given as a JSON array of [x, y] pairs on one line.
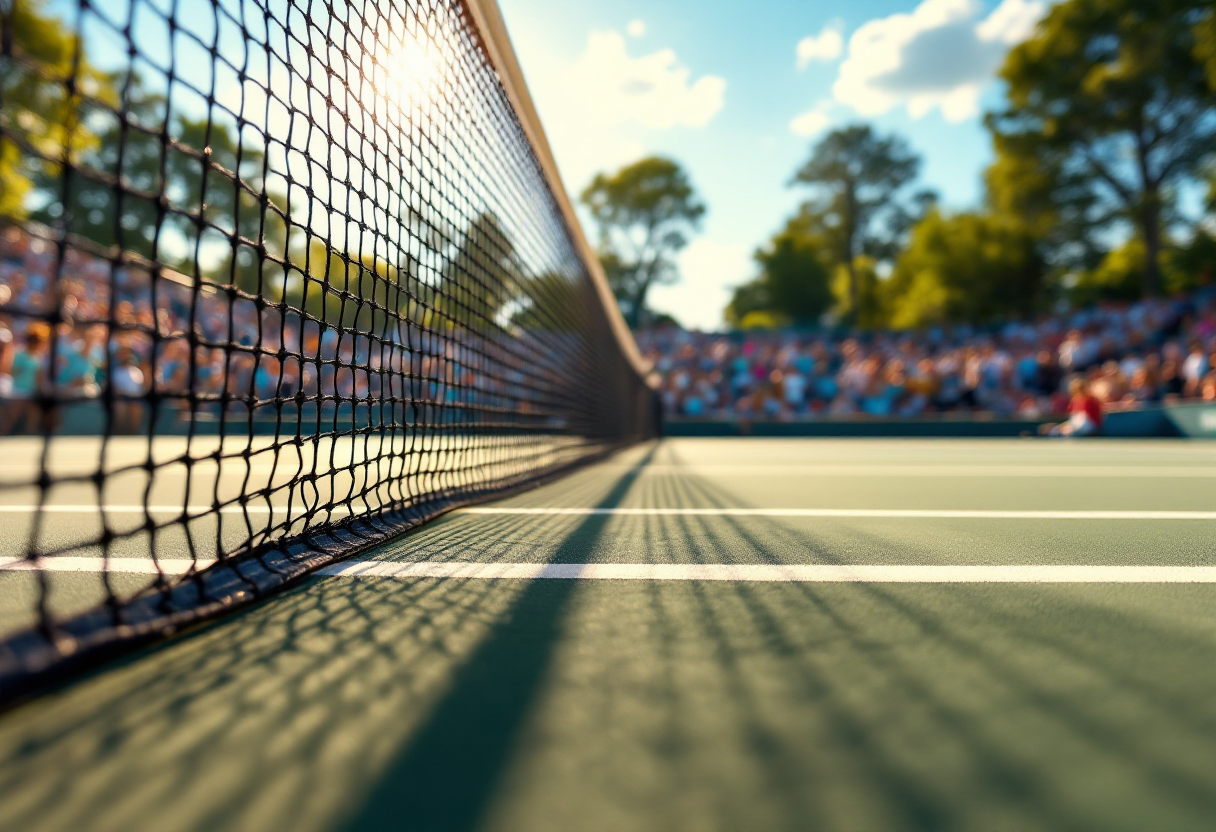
[[89, 418], [1197, 421], [1194, 421], [891, 428]]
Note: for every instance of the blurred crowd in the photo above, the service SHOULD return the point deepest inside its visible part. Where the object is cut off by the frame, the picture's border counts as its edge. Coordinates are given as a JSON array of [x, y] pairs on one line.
[[119, 329], [1129, 355]]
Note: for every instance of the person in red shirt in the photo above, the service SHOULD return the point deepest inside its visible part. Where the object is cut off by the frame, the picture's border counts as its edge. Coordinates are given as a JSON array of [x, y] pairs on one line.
[[1084, 412]]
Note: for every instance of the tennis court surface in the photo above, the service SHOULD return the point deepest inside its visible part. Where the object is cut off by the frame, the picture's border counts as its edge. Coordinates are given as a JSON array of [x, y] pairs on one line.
[[674, 639]]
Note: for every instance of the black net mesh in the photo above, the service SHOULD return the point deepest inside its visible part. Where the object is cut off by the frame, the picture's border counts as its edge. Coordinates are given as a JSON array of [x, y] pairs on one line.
[[278, 280]]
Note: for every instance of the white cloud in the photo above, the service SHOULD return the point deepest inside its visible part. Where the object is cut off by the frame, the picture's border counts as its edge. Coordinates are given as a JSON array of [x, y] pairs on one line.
[[607, 86], [938, 57], [601, 111], [1011, 22], [636, 28], [825, 46], [708, 271], [814, 120], [582, 154]]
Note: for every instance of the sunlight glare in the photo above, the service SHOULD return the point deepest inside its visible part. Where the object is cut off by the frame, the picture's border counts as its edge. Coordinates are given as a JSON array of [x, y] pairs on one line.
[[410, 77]]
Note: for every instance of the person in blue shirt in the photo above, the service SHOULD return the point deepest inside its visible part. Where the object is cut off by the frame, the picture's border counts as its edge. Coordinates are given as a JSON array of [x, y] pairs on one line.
[[26, 366]]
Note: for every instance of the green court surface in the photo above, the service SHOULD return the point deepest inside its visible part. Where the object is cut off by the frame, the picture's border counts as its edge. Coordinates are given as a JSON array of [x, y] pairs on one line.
[[681, 700]]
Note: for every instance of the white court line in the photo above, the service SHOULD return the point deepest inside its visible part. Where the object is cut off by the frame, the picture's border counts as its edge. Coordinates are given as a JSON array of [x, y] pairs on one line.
[[878, 470], [766, 573], [878, 513], [959, 514], [192, 510], [134, 566], [752, 573], [236, 469]]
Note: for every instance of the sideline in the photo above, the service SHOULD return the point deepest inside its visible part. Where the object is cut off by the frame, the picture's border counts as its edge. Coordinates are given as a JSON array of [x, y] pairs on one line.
[[958, 514]]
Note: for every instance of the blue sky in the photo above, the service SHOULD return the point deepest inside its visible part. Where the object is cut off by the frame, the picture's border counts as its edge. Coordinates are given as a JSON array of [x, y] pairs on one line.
[[738, 92]]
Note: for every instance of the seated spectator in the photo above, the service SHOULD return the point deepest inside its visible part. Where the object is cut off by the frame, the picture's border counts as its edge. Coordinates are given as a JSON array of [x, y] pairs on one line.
[[1084, 413]]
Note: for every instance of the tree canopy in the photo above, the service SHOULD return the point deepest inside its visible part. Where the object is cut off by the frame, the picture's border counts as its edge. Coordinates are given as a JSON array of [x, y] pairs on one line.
[[1112, 98], [482, 276], [645, 213], [970, 267], [1205, 44], [44, 122], [794, 284], [859, 180]]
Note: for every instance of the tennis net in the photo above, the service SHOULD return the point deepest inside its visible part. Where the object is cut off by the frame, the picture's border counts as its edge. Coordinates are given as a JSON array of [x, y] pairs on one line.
[[279, 280]]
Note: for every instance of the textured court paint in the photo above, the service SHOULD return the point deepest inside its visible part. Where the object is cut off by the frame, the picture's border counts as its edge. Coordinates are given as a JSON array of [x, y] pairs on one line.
[[666, 706]]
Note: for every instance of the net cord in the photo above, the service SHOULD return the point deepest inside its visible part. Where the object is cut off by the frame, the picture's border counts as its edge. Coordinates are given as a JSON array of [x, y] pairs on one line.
[[487, 23]]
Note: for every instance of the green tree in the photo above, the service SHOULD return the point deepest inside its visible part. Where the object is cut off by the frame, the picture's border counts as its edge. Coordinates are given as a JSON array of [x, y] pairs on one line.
[[1120, 274], [1193, 264], [794, 283], [213, 176], [1113, 95], [1205, 43], [645, 213], [483, 275], [1034, 187], [203, 173], [57, 108], [966, 268], [42, 118], [859, 180], [872, 310], [750, 302], [345, 289], [87, 204]]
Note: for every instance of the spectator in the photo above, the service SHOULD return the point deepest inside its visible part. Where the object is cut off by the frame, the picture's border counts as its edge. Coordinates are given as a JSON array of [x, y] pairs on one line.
[[26, 368], [1194, 368], [127, 383], [1084, 413], [1208, 390]]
